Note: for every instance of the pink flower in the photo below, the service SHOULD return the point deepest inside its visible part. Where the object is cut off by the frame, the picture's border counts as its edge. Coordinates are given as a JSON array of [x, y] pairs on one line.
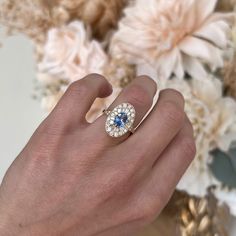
[[69, 54], [173, 36]]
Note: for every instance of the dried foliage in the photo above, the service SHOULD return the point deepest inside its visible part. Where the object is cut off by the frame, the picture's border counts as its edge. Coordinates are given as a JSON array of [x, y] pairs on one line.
[[226, 5], [202, 216], [190, 216], [33, 18], [229, 78], [101, 15]]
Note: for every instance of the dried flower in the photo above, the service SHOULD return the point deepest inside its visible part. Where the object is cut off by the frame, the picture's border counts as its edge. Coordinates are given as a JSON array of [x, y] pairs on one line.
[[25, 16], [214, 122], [226, 5], [101, 15], [229, 77], [33, 18], [120, 73], [70, 54], [173, 36]]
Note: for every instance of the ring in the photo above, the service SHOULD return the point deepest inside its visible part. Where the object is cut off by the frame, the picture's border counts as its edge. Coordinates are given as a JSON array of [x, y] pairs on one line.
[[120, 120]]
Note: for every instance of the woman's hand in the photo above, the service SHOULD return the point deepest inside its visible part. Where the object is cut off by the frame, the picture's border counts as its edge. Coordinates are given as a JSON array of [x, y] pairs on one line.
[[73, 179]]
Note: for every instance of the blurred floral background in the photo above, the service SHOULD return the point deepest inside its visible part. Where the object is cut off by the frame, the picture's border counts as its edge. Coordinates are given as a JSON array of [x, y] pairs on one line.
[[188, 45]]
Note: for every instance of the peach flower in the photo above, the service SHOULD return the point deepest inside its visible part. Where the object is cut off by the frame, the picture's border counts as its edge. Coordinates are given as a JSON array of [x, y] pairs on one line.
[[173, 36], [70, 54]]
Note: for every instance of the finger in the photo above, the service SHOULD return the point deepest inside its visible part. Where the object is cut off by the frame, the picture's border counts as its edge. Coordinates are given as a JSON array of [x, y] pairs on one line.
[[169, 168], [159, 128], [140, 94], [77, 100]]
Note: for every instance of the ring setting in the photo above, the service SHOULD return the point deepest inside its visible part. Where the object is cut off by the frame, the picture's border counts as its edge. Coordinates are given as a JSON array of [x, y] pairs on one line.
[[120, 120]]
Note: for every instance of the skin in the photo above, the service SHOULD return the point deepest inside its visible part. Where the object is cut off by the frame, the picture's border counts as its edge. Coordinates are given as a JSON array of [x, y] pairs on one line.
[[73, 179]]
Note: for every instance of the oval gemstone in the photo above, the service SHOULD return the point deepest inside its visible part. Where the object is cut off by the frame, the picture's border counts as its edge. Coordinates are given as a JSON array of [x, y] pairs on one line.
[[120, 120]]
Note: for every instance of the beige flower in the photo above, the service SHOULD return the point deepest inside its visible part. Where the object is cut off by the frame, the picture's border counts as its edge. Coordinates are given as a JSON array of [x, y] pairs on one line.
[[70, 54], [213, 116], [214, 122], [119, 73], [173, 36], [49, 89]]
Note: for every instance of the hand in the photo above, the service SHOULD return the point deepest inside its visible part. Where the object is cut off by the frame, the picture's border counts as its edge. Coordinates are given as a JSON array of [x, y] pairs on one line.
[[73, 179]]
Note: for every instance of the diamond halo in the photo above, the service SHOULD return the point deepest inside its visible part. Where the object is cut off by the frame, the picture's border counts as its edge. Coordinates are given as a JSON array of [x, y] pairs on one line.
[[120, 120]]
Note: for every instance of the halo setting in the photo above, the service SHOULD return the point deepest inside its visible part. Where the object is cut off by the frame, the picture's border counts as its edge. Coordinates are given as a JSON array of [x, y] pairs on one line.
[[120, 120]]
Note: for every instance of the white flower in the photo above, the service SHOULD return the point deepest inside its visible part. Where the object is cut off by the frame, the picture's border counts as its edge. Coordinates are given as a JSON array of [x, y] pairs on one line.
[[173, 36], [214, 122], [69, 54]]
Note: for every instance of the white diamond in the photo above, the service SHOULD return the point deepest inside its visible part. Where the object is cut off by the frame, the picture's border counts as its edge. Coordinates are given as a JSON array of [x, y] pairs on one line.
[[111, 122], [116, 134], [133, 115]]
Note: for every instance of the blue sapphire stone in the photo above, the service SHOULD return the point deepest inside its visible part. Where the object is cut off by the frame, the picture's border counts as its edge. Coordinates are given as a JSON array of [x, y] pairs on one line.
[[121, 119]]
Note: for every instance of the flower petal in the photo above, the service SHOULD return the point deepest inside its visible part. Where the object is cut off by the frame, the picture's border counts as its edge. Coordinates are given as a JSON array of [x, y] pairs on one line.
[[213, 33], [178, 69], [205, 8], [166, 64], [194, 67], [199, 48]]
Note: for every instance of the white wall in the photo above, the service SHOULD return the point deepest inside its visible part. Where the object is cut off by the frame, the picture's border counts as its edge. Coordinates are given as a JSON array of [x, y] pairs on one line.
[[19, 113]]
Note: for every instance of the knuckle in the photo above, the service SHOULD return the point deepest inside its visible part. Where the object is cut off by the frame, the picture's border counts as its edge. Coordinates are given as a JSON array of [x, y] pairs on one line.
[[149, 80], [149, 212], [80, 88], [140, 154], [113, 183], [175, 93], [189, 147], [139, 96], [174, 115]]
